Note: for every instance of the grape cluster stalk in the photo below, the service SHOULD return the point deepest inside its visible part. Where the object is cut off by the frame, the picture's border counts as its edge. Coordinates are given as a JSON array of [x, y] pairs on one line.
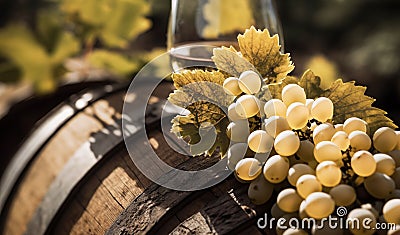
[[323, 165]]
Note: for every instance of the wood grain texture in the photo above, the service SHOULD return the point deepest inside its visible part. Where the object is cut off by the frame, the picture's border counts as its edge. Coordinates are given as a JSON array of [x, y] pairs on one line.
[[110, 189], [52, 158]]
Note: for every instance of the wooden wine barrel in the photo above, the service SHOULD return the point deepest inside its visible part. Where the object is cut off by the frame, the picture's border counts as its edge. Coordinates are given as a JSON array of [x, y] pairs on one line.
[[68, 150], [73, 175]]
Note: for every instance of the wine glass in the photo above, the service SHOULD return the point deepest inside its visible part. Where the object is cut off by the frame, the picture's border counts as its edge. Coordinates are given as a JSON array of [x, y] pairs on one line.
[[196, 27]]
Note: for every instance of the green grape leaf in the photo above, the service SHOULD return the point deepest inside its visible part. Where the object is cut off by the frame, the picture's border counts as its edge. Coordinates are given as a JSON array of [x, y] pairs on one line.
[[36, 62], [311, 84], [115, 22], [113, 62], [275, 89], [20, 47], [230, 61], [126, 22], [263, 51], [202, 94], [349, 100], [66, 46]]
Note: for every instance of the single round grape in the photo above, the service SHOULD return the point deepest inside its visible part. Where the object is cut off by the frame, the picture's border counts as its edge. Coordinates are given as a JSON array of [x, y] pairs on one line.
[[288, 200], [275, 125], [354, 124], [247, 106], [323, 132], [319, 205], [260, 191], [297, 115], [308, 184], [275, 107], [306, 151], [287, 143], [248, 169], [379, 185], [235, 153], [339, 127], [250, 82], [328, 173], [343, 195], [322, 109], [395, 154], [327, 151], [391, 211], [298, 170], [232, 114], [359, 140], [260, 142], [276, 169], [385, 139], [293, 93], [341, 139], [355, 221], [294, 231], [231, 86], [385, 164], [238, 131], [396, 177], [363, 163]]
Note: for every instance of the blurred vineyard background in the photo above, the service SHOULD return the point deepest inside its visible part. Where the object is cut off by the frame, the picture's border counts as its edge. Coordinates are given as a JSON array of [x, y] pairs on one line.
[[47, 44]]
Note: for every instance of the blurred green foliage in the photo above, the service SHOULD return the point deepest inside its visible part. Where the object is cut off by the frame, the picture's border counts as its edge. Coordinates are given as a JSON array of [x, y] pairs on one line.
[[97, 31]]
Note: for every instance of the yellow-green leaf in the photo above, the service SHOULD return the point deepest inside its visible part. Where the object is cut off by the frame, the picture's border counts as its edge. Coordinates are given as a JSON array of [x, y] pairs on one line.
[[263, 51], [311, 84], [19, 45], [201, 93], [113, 62], [349, 100], [231, 62], [126, 22], [188, 128], [115, 22], [66, 46], [196, 96]]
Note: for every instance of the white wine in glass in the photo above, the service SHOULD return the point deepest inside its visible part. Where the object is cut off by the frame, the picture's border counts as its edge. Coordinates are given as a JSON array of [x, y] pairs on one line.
[[196, 27]]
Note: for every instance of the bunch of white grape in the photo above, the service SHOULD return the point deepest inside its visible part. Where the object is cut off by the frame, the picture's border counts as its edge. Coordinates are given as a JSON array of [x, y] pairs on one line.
[[312, 164]]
